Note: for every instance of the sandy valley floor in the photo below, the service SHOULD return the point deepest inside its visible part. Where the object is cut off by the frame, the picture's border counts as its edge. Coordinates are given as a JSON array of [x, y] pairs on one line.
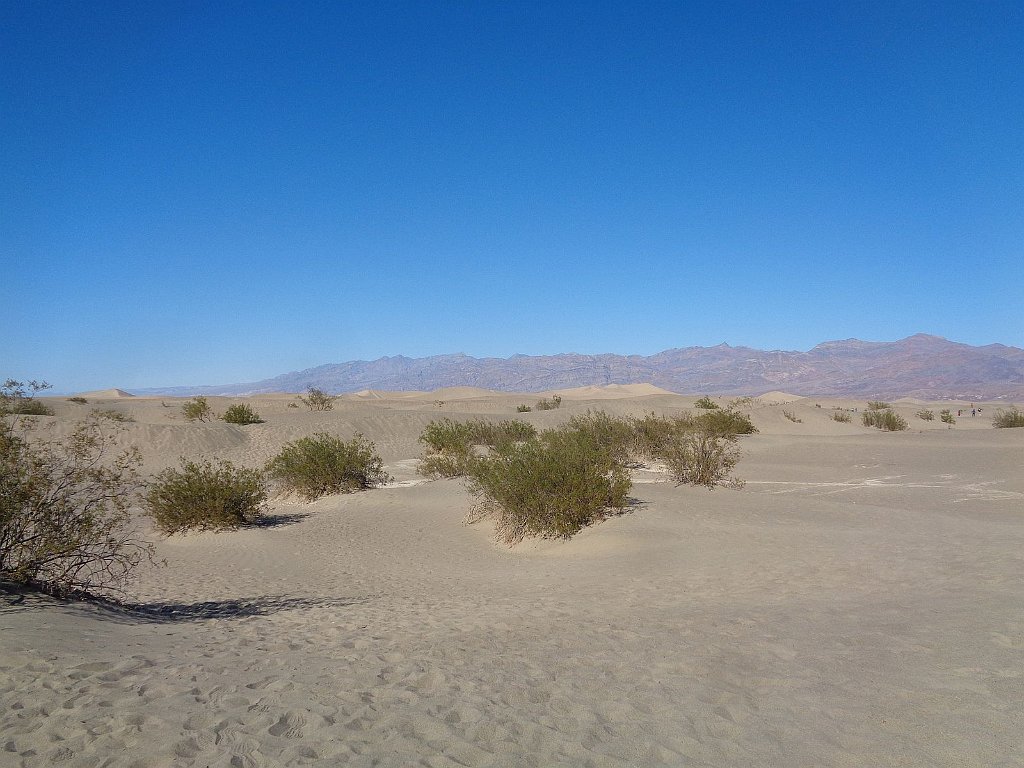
[[860, 602]]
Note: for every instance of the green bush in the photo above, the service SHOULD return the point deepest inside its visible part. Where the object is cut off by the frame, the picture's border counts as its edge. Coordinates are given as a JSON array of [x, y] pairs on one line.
[[946, 416], [206, 497], [1011, 417], [318, 400], [449, 444], [241, 413], [79, 400], [703, 458], [878, 405], [725, 422], [65, 521], [927, 415], [112, 415], [522, 408], [888, 421], [550, 487], [841, 416], [321, 464], [612, 434], [706, 403], [197, 409], [651, 435]]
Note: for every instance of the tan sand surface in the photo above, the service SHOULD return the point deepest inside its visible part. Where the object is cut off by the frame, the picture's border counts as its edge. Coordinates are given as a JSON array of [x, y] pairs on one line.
[[858, 603]]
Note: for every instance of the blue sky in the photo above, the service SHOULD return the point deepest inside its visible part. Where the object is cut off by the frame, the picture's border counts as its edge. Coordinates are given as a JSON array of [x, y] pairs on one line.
[[216, 192]]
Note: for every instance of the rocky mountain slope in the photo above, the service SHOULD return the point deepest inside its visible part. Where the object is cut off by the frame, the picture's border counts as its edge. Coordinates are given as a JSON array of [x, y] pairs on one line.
[[922, 366]]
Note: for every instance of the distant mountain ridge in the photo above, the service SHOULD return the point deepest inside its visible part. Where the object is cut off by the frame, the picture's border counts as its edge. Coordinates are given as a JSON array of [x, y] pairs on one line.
[[922, 366]]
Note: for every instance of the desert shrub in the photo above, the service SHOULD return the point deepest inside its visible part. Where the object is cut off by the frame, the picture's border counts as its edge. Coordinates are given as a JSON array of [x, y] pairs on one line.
[[703, 458], [18, 397], [792, 417], [112, 415], [1008, 418], [706, 403], [79, 400], [293, 405], [725, 422], [743, 402], [886, 420], [946, 416], [321, 464], [496, 435], [550, 487], [652, 434], [197, 409], [206, 497], [65, 525], [448, 447], [878, 405], [521, 408], [927, 415], [241, 413], [613, 434], [548, 405], [318, 400], [841, 416]]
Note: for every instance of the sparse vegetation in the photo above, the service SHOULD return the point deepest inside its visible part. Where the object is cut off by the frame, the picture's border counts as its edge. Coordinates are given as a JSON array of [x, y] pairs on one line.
[[322, 464], [725, 422], [318, 400], [112, 415], [946, 416], [544, 404], [706, 403], [79, 400], [886, 420], [841, 416], [1008, 418], [241, 413], [18, 398], [792, 417], [704, 459], [197, 409], [65, 525], [449, 444], [927, 415], [206, 497], [551, 486], [523, 408], [878, 405]]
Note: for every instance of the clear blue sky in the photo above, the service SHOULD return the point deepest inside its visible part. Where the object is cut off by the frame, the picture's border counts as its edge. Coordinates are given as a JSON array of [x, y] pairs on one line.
[[210, 192]]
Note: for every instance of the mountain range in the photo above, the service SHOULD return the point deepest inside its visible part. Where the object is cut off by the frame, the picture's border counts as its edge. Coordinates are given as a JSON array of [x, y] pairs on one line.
[[922, 366]]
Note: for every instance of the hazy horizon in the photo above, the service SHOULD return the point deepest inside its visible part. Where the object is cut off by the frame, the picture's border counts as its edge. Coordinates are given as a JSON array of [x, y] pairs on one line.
[[217, 194]]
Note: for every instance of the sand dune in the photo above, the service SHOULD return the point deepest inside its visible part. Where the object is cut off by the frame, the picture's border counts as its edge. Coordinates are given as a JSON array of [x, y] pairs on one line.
[[858, 603], [101, 394]]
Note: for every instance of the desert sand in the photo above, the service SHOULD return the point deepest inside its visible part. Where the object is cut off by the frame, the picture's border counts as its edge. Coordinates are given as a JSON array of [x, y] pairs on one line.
[[858, 603]]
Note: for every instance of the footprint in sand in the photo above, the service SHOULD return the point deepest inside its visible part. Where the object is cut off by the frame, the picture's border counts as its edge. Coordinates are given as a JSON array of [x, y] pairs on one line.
[[290, 726]]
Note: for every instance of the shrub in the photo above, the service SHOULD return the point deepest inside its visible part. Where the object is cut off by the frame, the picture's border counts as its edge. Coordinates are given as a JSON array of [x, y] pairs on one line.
[[501, 434], [79, 400], [112, 415], [1011, 417], [703, 458], [841, 416], [206, 497], [612, 434], [946, 416], [241, 413], [886, 420], [792, 417], [197, 409], [927, 415], [706, 403], [549, 405], [651, 434], [550, 487], [725, 422], [318, 400], [18, 397], [523, 408], [320, 464], [878, 405], [448, 449], [65, 525]]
